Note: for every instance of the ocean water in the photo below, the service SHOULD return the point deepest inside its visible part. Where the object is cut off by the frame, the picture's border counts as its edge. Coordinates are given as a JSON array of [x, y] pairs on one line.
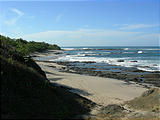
[[143, 58]]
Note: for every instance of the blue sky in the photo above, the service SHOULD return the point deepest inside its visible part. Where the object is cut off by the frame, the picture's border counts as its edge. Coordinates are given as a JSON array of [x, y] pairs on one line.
[[82, 22]]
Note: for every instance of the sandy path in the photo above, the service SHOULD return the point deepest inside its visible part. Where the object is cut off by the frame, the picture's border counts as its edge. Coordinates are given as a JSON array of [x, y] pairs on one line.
[[100, 90]]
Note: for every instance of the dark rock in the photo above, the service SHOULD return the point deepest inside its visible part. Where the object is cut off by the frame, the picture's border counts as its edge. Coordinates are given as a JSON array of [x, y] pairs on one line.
[[51, 66], [134, 61], [58, 53], [63, 68], [120, 60], [129, 74], [155, 65], [133, 77], [137, 70], [89, 62], [151, 75]]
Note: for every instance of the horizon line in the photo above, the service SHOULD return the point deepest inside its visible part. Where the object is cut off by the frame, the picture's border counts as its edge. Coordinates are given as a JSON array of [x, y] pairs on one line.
[[114, 46]]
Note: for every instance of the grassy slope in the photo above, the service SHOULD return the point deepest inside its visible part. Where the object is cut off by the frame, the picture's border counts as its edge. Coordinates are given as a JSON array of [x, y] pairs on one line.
[[144, 107], [26, 92], [149, 100]]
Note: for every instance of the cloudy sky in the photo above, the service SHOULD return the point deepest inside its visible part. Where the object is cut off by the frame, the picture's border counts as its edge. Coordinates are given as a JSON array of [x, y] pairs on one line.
[[83, 22]]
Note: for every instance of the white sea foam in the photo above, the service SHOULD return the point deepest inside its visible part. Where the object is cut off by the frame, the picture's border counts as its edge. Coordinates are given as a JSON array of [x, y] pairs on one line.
[[68, 48], [140, 64], [146, 69], [85, 48], [75, 48], [88, 52], [126, 48], [151, 49], [128, 52], [139, 52], [80, 58]]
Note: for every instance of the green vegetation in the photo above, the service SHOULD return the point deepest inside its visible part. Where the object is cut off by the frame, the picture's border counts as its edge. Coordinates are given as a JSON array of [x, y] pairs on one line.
[[144, 107], [26, 93], [24, 47], [149, 100]]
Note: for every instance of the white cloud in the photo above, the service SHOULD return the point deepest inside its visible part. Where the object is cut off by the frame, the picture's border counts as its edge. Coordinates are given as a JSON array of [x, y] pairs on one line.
[[18, 12], [156, 36], [82, 36], [78, 33], [13, 20], [136, 26], [94, 37], [59, 17]]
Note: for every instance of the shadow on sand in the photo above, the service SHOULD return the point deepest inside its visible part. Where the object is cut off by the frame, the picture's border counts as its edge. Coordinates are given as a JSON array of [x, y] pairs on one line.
[[74, 90]]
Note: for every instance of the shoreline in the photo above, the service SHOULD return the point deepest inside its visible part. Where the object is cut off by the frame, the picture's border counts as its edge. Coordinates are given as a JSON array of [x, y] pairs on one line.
[[100, 90], [128, 74], [90, 68]]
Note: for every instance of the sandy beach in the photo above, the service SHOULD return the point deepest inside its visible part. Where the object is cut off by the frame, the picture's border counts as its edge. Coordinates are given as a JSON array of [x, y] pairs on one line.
[[102, 91]]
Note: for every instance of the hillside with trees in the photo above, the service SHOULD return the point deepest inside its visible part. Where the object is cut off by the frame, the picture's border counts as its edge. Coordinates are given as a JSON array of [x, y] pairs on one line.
[[24, 47], [26, 92]]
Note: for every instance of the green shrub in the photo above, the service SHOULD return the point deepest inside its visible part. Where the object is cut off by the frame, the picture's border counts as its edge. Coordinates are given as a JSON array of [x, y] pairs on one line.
[[24, 47]]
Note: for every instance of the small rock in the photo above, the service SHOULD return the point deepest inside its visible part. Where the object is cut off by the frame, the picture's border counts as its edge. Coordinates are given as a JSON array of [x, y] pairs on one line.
[[134, 61], [120, 60]]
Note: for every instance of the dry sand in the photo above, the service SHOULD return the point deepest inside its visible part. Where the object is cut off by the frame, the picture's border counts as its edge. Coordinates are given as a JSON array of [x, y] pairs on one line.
[[102, 91]]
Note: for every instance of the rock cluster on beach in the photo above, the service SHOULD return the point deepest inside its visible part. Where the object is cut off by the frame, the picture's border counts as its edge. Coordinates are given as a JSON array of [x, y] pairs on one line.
[[127, 74]]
